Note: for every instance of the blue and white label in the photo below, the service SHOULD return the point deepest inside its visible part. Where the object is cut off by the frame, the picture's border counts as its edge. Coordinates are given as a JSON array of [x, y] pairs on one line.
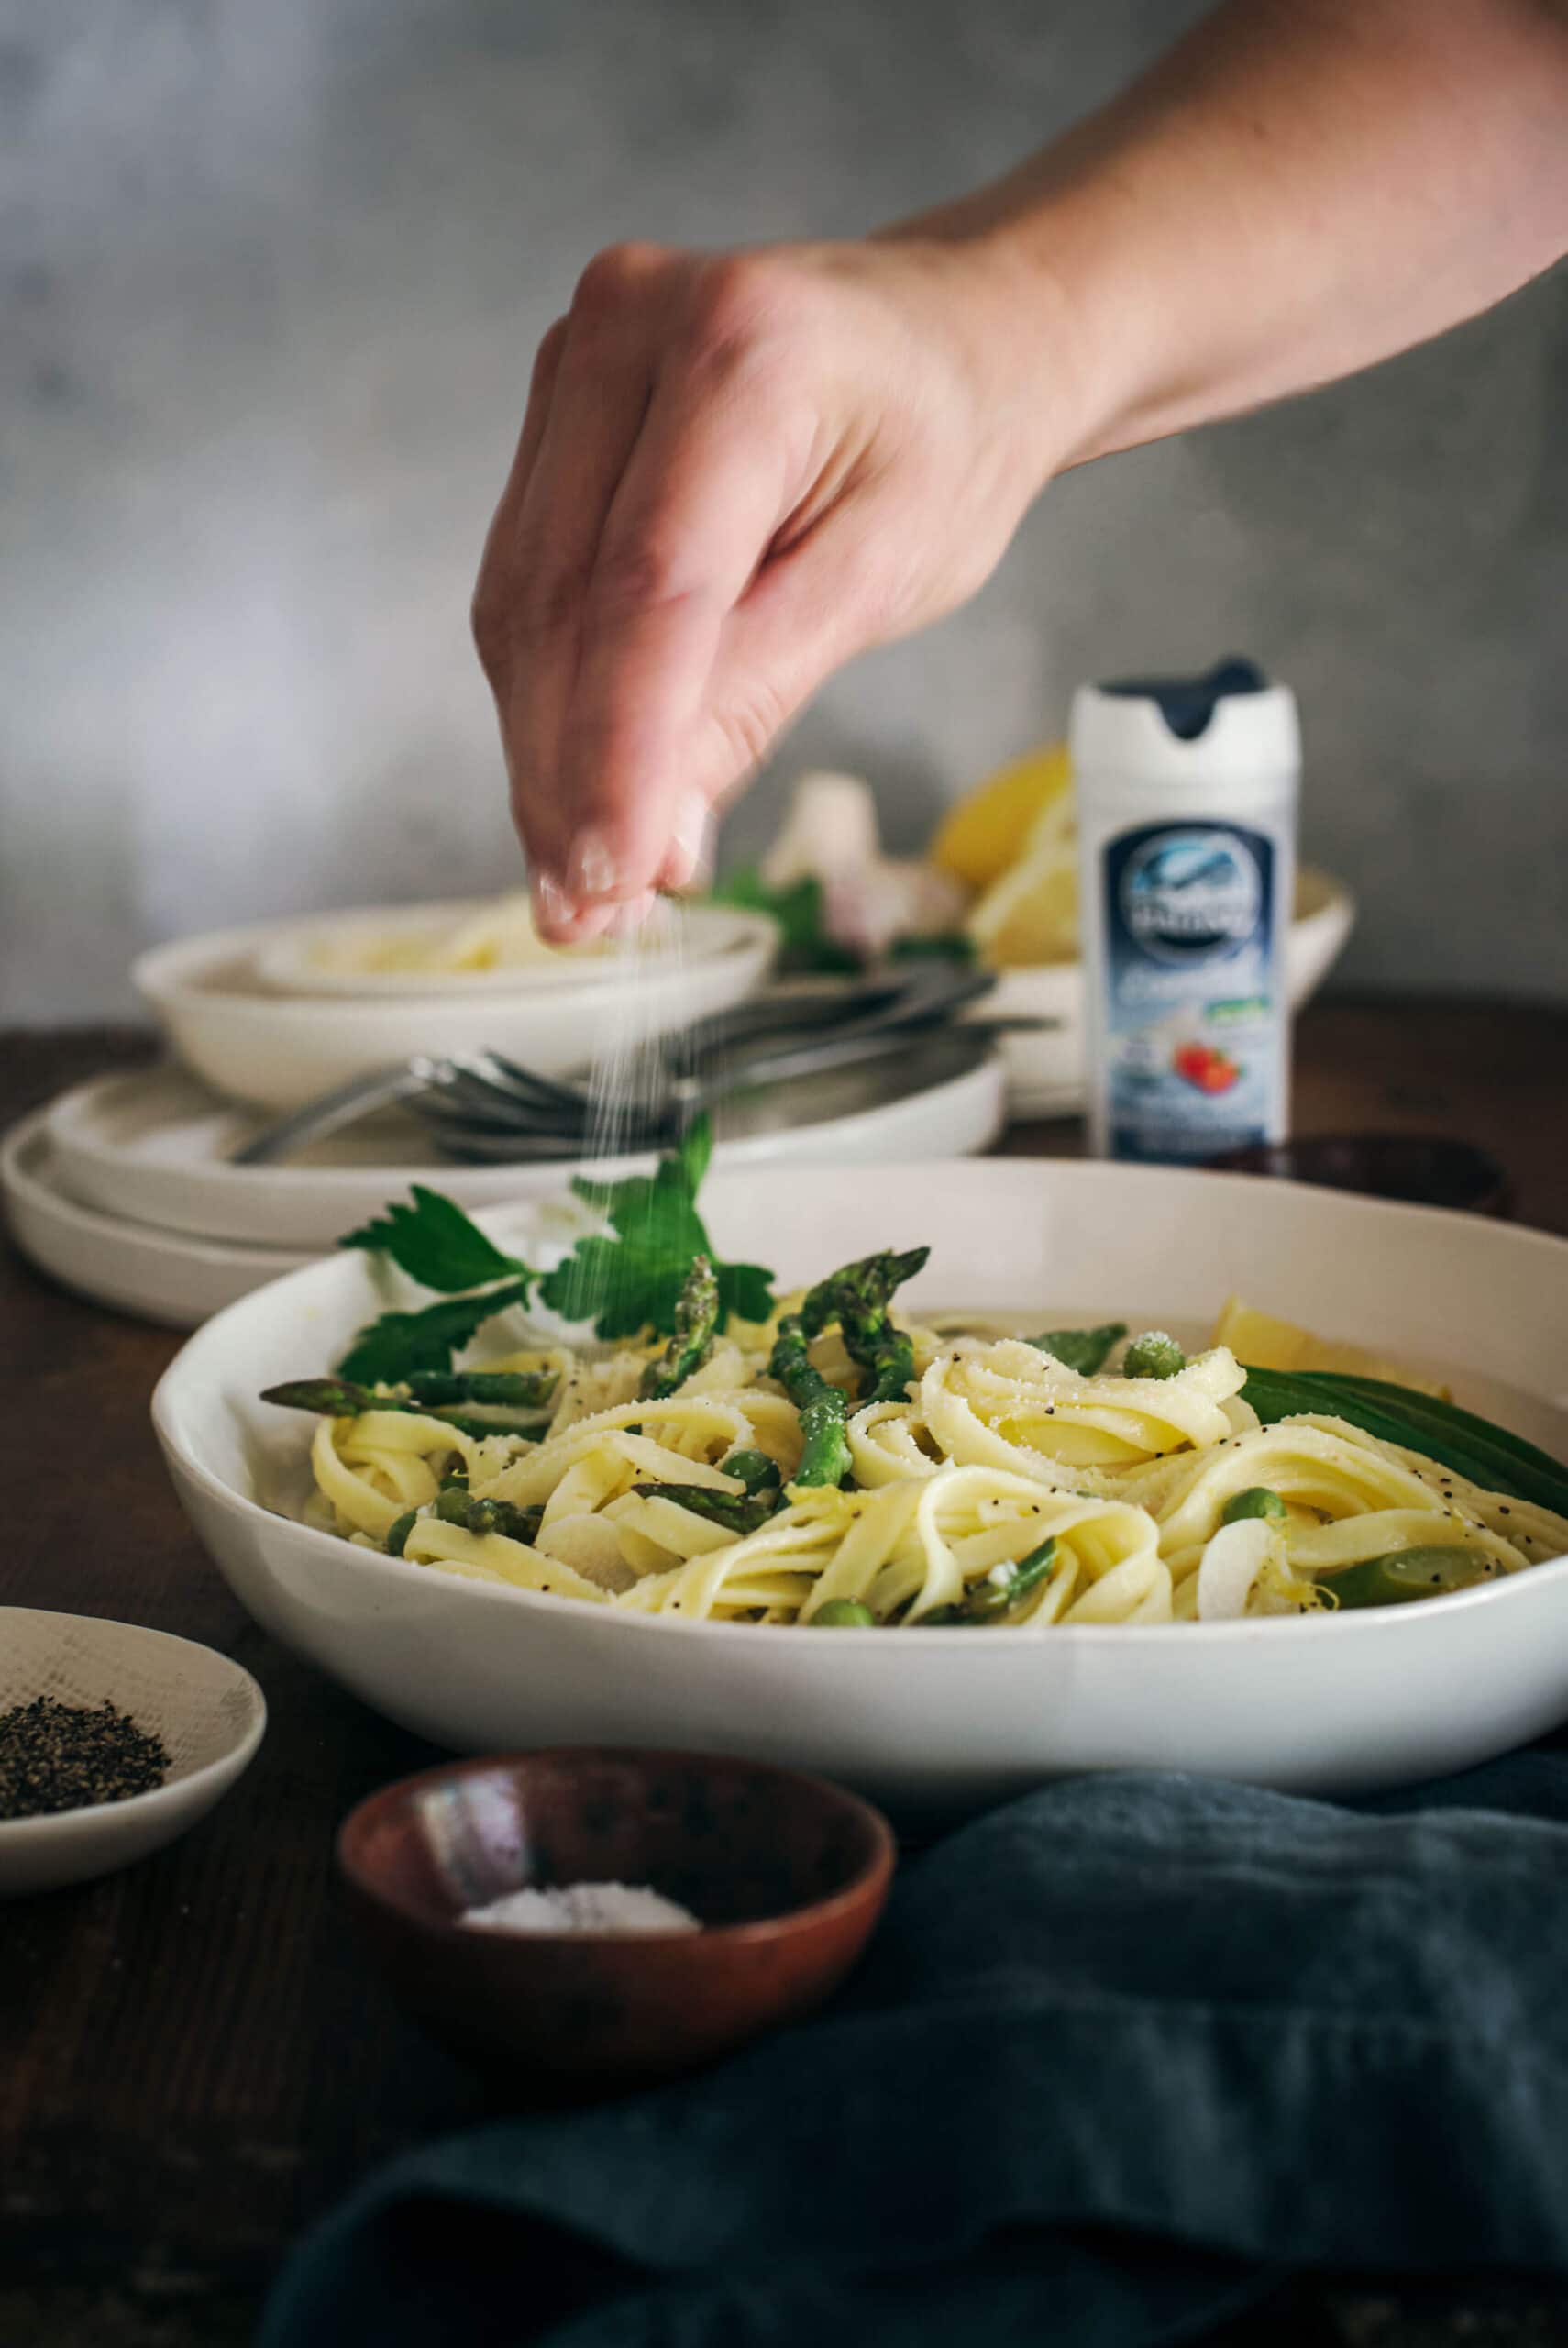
[[1195, 1003], [1188, 896]]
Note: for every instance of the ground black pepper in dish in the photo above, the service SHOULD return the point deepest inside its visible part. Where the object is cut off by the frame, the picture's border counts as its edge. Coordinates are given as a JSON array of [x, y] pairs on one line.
[[56, 1757]]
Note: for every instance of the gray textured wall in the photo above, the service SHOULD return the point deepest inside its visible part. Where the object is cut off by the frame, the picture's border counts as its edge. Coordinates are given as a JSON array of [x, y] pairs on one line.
[[272, 273]]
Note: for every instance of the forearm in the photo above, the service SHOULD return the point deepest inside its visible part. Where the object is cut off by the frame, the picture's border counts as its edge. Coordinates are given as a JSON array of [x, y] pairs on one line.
[[738, 471], [1301, 188]]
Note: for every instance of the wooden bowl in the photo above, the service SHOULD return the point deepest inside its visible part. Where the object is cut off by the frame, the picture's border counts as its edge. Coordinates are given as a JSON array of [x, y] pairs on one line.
[[788, 1874]]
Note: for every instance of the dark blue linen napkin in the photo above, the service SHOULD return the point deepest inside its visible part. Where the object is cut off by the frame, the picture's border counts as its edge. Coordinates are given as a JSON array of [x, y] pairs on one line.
[[1122, 2052]]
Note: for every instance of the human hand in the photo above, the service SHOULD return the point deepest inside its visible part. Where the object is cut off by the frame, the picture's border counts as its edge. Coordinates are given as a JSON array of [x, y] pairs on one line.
[[735, 474]]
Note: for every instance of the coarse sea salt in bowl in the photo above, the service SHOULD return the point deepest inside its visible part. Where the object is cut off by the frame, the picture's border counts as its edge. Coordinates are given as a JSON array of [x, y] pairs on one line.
[[785, 1877]]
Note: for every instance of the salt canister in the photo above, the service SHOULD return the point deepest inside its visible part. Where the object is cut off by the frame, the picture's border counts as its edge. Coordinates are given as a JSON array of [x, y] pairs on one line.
[[1186, 796]]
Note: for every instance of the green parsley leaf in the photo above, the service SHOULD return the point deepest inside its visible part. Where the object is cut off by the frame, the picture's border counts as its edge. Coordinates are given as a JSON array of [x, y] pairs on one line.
[[1085, 1350], [633, 1282], [621, 1289], [798, 910], [400, 1344], [623, 1284], [745, 1290], [693, 1152], [435, 1243], [936, 946]]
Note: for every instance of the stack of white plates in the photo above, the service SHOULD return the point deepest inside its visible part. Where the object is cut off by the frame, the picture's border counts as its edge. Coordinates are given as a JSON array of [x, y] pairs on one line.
[[126, 1189]]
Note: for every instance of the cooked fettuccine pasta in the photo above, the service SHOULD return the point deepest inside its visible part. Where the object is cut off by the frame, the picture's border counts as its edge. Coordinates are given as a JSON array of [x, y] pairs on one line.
[[839, 1467]]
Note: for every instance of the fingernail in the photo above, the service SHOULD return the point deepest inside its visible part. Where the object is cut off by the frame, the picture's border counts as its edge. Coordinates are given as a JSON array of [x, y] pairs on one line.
[[688, 840], [551, 905], [592, 869]]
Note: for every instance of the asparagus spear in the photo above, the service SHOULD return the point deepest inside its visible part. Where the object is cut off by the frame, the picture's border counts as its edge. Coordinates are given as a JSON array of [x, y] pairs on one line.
[[755, 1470], [857, 1297], [522, 1389], [998, 1592], [994, 1596], [432, 1393], [738, 1513], [335, 1398], [454, 1504], [824, 1409], [696, 1319], [505, 1517]]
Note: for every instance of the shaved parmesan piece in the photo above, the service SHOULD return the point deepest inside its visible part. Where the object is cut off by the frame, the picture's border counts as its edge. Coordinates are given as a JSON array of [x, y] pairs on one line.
[[1231, 1563], [590, 1545]]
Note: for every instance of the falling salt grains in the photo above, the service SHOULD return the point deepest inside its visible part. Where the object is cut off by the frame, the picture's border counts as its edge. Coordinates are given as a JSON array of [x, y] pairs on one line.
[[600, 1909], [628, 1079]]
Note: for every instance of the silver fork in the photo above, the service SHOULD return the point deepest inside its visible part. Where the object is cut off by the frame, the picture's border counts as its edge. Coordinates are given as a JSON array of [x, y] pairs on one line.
[[497, 1138], [484, 1103], [471, 1077]]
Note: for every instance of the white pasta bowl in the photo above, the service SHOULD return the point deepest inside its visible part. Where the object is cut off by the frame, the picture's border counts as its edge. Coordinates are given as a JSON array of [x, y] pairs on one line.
[[945, 1720], [251, 1043]]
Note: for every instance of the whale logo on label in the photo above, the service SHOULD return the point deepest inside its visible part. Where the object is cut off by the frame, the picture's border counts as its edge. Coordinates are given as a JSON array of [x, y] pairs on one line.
[[1189, 893]]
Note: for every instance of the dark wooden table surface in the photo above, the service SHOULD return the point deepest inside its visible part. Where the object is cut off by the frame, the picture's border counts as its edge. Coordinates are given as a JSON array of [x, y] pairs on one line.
[[193, 2063]]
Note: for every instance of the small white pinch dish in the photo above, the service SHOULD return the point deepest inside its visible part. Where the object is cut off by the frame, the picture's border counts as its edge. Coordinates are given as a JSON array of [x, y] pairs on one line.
[[251, 1043], [209, 1712]]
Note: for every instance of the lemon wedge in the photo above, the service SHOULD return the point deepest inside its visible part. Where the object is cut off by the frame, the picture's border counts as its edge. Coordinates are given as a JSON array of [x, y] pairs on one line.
[[985, 832], [1029, 914], [1264, 1343]]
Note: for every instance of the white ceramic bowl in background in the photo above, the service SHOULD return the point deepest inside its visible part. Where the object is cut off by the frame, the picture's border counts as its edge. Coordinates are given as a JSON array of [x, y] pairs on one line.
[[281, 1051], [947, 1720], [209, 1712], [1045, 1072], [288, 961], [156, 1275]]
